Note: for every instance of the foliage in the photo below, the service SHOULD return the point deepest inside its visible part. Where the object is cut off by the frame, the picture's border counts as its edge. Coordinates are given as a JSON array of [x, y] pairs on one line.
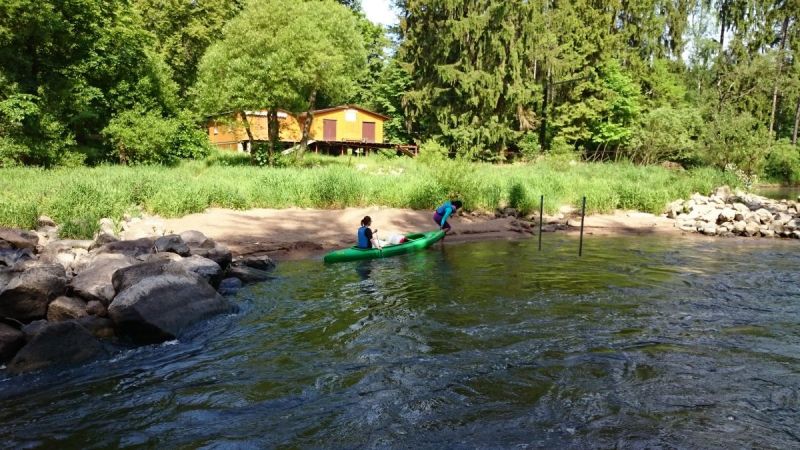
[[783, 163], [665, 134], [736, 139], [145, 137]]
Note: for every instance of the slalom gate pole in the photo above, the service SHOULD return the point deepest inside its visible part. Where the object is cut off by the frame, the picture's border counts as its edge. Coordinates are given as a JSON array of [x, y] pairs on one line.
[[541, 219], [583, 214]]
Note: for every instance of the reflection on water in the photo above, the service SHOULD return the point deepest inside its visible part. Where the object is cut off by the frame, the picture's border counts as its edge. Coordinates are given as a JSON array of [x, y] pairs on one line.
[[643, 342], [779, 192]]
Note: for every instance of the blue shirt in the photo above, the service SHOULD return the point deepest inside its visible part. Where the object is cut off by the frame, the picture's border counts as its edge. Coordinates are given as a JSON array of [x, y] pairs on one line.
[[364, 237]]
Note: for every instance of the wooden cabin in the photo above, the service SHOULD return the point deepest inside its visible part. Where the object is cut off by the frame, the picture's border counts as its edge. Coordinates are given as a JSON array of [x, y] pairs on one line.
[[228, 132], [338, 130]]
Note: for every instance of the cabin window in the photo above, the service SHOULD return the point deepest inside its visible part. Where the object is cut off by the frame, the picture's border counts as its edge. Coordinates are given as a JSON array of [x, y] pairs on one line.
[[350, 115]]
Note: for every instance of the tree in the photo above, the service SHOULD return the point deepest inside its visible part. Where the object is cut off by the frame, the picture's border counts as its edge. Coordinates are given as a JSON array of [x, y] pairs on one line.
[[279, 55]]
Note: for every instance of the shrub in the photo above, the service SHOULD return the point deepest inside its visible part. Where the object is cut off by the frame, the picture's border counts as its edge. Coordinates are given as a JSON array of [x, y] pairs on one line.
[[145, 137], [529, 147], [783, 163], [733, 139], [431, 151]]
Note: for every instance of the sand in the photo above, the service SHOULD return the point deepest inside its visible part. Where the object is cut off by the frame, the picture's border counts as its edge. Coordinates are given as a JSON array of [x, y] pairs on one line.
[[298, 233]]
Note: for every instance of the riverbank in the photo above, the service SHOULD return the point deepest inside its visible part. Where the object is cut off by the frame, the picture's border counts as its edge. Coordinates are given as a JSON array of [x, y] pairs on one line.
[[297, 233]]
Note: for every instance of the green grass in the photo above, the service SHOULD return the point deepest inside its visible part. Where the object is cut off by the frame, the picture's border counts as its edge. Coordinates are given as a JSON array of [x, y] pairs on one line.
[[77, 198]]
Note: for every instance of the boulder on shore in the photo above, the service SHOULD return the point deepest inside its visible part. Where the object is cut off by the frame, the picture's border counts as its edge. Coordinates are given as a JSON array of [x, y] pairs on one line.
[[11, 340], [263, 262], [66, 308], [56, 344], [19, 239], [172, 243], [27, 295], [230, 286], [248, 274], [131, 248], [217, 252], [158, 308], [94, 282]]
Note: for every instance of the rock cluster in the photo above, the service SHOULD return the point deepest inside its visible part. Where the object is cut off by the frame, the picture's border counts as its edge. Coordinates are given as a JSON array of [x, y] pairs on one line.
[[69, 301], [736, 214]]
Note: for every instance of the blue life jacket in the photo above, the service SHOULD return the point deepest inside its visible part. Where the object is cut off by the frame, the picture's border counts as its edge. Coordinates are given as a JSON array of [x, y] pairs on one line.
[[442, 210], [363, 242]]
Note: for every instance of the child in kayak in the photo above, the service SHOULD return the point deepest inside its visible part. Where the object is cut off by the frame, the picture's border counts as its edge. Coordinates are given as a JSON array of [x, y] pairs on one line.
[[367, 237], [444, 212]]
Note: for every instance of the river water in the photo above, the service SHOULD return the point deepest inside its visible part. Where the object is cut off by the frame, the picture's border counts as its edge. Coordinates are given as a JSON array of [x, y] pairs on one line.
[[644, 342]]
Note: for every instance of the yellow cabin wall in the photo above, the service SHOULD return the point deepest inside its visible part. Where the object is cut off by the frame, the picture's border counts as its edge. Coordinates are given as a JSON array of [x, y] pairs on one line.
[[228, 134], [346, 131]]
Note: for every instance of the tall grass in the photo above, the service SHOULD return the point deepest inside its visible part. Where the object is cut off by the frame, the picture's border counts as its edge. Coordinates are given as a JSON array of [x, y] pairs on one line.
[[77, 198]]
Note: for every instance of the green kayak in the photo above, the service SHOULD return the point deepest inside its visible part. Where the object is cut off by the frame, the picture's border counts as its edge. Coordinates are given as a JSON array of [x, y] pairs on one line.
[[414, 242]]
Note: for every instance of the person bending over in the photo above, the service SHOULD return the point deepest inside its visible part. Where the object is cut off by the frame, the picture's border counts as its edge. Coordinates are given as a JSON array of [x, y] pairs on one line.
[[367, 237], [444, 212]]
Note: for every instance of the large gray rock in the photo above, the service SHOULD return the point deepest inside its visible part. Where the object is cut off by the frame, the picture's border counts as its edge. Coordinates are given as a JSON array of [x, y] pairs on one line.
[[66, 308], [94, 282], [11, 340], [172, 243], [248, 274], [19, 238], [230, 286], [100, 327], [11, 256], [130, 276], [263, 262], [158, 308], [56, 344], [132, 248], [194, 238], [218, 253], [752, 229], [96, 308], [727, 215], [27, 295], [204, 267], [32, 329]]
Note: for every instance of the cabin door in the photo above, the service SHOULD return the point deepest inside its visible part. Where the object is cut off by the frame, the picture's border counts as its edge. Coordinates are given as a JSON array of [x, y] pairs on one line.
[[368, 131], [328, 130]]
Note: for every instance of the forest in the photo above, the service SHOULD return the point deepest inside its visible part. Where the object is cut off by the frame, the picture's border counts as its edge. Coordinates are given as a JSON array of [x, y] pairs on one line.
[[693, 82]]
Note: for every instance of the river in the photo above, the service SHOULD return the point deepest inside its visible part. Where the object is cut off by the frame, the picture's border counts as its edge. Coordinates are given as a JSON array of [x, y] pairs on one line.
[[644, 342]]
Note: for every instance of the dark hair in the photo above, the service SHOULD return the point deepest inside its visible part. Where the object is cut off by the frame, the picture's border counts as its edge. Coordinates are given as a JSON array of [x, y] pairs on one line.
[[456, 203], [366, 221]]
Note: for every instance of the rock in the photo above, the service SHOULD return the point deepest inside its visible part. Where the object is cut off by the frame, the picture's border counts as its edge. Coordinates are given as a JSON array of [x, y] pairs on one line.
[[204, 267], [263, 262], [127, 277], [160, 257], [172, 243], [248, 274], [107, 227], [26, 296], [711, 216], [132, 248], [11, 340], [100, 327], [674, 209], [102, 239], [723, 192], [766, 232], [19, 238], [45, 221], [781, 218], [795, 234], [217, 253], [792, 225], [195, 238], [764, 216], [727, 215], [32, 329], [96, 308], [709, 230], [159, 308], [10, 256], [739, 227], [699, 199], [56, 344], [230, 286], [94, 282], [66, 308], [752, 229], [510, 212]]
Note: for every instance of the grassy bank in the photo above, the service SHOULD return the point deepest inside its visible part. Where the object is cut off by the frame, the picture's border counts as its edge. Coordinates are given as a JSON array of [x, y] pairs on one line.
[[77, 198]]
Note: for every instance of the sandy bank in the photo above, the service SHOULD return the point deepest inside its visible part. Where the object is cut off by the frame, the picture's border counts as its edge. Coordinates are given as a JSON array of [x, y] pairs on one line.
[[301, 233]]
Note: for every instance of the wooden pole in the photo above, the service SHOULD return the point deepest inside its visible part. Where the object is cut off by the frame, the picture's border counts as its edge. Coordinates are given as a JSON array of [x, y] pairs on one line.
[[583, 214], [541, 219]]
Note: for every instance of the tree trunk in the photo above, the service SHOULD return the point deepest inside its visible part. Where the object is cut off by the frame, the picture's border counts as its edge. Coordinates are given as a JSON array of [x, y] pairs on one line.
[[274, 131], [784, 29], [796, 122], [543, 125], [312, 100], [246, 123], [721, 28]]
